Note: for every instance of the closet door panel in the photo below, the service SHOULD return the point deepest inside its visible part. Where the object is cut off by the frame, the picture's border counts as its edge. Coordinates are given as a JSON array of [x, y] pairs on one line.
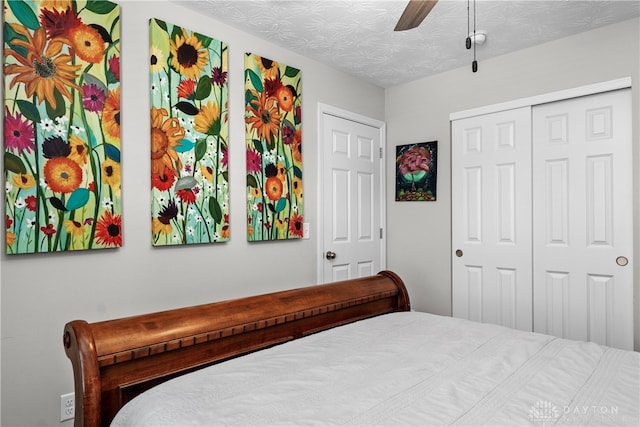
[[491, 205], [582, 219]]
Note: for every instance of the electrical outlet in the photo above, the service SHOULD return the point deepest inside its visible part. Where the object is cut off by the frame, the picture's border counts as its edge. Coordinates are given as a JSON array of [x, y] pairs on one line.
[[67, 406]]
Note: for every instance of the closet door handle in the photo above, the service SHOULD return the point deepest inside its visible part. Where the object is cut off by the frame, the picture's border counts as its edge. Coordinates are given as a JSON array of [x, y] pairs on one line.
[[622, 261], [459, 253]]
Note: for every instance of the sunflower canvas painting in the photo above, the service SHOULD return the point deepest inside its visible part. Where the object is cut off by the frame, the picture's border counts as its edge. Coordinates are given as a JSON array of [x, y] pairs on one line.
[[61, 125], [273, 121], [189, 136]]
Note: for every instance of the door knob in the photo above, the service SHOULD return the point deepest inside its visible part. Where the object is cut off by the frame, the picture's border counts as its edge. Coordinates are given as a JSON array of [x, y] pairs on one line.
[[622, 261], [458, 253], [330, 255]]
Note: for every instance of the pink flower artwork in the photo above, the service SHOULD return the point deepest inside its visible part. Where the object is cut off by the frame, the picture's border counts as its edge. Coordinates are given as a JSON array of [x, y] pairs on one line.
[[416, 166]]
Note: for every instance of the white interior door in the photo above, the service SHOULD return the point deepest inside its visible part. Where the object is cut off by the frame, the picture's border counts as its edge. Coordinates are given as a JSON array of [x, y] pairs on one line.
[[583, 219], [352, 206], [491, 208]]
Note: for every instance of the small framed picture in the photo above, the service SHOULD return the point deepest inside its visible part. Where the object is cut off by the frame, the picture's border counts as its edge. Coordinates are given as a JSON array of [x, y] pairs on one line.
[[416, 172]]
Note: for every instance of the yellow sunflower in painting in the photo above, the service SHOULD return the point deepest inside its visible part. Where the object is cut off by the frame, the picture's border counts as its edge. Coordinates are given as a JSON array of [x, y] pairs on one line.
[[188, 56], [165, 137], [268, 67], [24, 181], [43, 69], [206, 117], [73, 227], [156, 59], [78, 150], [111, 174], [56, 4], [297, 187], [160, 227]]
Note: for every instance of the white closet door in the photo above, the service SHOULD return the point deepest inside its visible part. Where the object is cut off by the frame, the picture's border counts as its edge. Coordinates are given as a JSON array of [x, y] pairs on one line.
[[491, 205], [583, 219]]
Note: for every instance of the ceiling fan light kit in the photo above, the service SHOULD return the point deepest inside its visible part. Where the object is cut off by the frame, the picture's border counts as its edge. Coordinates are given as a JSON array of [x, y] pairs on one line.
[[417, 10], [478, 38]]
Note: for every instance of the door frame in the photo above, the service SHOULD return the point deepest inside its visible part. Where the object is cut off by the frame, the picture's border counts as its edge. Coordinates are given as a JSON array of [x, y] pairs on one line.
[[326, 109], [591, 89]]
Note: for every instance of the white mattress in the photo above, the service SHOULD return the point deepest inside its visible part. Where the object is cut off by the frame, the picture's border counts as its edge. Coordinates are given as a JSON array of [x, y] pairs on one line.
[[405, 369]]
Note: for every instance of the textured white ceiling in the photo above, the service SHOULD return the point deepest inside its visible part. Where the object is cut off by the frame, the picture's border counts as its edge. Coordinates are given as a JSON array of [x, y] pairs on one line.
[[357, 36]]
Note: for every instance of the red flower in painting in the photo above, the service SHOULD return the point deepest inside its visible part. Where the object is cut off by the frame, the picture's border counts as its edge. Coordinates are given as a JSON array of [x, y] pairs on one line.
[[32, 203], [271, 86], [93, 98], [163, 182], [254, 161], [18, 133], [186, 88], [296, 226], [8, 222], [48, 230], [114, 66], [218, 76], [225, 156], [109, 230], [186, 195], [288, 134], [58, 23]]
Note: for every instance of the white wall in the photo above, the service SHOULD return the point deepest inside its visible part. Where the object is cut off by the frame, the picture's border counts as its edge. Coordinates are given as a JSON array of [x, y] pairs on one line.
[[419, 236], [40, 293]]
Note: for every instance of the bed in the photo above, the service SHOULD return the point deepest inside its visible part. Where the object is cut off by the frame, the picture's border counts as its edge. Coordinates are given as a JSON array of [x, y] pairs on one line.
[[345, 353]]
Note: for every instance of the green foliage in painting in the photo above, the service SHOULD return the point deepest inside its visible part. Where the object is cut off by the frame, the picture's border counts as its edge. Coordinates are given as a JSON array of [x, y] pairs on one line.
[[62, 126], [273, 149], [189, 136]]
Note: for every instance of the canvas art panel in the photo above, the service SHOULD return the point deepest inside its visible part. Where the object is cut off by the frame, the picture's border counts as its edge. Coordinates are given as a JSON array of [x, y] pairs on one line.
[[273, 121], [189, 136], [62, 125], [416, 171]]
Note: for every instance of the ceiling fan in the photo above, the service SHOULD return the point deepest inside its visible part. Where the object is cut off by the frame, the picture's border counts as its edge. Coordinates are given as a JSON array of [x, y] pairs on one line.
[[414, 14]]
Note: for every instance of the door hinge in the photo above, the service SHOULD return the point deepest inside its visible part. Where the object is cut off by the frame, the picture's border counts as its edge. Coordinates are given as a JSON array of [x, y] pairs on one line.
[[381, 233], [380, 152]]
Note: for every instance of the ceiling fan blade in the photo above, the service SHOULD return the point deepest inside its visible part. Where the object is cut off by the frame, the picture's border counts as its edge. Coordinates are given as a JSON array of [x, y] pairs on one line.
[[414, 14]]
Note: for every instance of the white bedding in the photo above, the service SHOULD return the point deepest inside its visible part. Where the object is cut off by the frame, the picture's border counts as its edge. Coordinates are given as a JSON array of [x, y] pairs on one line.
[[405, 369]]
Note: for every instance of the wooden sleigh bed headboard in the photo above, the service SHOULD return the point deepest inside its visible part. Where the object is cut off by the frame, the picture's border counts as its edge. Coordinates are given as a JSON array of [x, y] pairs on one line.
[[115, 360]]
